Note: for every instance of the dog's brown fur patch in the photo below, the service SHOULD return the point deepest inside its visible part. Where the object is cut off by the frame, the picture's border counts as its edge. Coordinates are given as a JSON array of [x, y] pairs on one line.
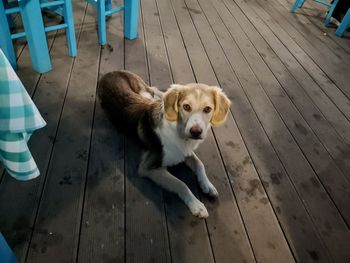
[[133, 114]]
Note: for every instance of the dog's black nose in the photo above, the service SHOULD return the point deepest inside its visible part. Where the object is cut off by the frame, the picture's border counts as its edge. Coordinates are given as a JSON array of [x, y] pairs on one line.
[[196, 131]]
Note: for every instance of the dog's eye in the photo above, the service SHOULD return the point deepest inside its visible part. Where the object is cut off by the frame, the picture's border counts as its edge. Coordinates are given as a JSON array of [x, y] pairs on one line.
[[187, 107], [207, 109]]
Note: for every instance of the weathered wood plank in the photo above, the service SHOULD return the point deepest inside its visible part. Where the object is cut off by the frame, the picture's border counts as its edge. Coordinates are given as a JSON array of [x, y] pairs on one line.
[[336, 149], [334, 92], [103, 226], [288, 208], [328, 108], [146, 231], [102, 233], [318, 156], [228, 240], [329, 63], [146, 236], [188, 238], [2, 172], [244, 80], [316, 199], [157, 61], [323, 81], [264, 213], [18, 211], [296, 43], [309, 31], [188, 235], [59, 215]]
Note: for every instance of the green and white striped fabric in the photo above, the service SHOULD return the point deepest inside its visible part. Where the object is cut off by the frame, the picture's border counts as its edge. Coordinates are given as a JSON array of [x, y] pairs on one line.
[[19, 118]]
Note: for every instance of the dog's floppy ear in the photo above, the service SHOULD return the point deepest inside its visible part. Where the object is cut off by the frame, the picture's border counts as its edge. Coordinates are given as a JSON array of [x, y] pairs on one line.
[[170, 98], [221, 107]]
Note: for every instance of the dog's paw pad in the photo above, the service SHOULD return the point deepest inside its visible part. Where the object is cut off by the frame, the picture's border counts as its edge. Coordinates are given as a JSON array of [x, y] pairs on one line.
[[209, 189], [198, 209]]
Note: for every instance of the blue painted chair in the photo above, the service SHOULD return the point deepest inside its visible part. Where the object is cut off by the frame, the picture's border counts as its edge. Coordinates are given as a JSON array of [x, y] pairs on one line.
[[35, 29], [10, 21], [5, 39], [299, 3], [6, 254], [105, 9], [344, 25]]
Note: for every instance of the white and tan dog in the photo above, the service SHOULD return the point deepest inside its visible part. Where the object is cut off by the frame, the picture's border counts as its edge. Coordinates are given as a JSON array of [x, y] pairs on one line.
[[169, 125]]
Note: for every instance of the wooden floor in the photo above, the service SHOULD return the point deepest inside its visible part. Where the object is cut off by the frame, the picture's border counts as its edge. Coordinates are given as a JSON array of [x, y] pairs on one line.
[[281, 163]]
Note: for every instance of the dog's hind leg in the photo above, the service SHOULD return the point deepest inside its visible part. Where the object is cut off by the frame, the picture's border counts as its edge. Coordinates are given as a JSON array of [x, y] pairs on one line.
[[197, 167], [172, 184]]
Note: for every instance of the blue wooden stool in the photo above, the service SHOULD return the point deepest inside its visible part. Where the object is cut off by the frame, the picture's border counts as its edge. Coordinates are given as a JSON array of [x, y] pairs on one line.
[[34, 30], [344, 25], [5, 39], [6, 254], [299, 3], [104, 9]]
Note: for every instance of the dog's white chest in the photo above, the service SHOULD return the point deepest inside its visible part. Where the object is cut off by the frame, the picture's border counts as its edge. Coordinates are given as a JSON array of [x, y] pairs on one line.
[[174, 152], [175, 149]]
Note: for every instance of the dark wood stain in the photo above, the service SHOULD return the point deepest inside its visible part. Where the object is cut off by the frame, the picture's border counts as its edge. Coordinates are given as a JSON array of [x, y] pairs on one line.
[[317, 116], [313, 255], [254, 186], [275, 178], [300, 128]]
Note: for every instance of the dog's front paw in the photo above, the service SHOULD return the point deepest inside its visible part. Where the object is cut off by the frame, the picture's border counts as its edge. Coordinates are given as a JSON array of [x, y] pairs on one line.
[[209, 189], [198, 209]]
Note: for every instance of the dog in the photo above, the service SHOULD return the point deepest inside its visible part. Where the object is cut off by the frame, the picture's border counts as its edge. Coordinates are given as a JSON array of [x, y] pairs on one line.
[[169, 125]]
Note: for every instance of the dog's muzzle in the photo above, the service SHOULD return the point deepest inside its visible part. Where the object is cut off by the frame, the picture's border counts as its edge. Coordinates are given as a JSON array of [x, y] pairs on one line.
[[196, 132]]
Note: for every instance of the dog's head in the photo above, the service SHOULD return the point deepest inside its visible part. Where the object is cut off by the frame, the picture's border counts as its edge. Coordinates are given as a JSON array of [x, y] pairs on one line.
[[195, 107]]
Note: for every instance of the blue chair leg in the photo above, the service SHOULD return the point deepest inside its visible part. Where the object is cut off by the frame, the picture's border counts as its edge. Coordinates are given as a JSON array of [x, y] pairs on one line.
[[10, 21], [101, 17], [301, 3], [70, 32], [6, 254], [35, 33], [57, 9], [131, 18], [5, 40], [108, 5], [345, 24], [297, 4], [9, 17], [330, 12]]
